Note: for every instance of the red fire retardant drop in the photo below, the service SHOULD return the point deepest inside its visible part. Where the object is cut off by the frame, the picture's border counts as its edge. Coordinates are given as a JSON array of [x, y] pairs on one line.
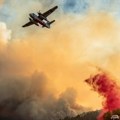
[[105, 86]]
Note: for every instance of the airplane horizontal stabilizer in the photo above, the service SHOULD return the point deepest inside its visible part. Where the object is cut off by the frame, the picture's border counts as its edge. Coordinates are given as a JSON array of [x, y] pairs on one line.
[[52, 21]]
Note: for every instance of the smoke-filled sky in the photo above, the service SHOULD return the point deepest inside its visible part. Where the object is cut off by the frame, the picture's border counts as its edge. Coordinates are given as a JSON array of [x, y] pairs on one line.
[[43, 70]]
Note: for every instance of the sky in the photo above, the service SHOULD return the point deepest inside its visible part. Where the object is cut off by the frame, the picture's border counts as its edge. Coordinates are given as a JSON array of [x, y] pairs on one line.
[[38, 64]]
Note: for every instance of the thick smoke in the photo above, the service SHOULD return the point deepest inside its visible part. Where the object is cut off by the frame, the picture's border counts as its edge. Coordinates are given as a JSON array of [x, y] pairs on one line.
[[43, 50], [107, 87], [28, 94], [64, 56], [28, 98]]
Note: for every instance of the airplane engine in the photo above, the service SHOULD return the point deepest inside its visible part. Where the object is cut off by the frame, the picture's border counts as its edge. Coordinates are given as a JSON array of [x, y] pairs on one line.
[[30, 19], [39, 13], [33, 21], [36, 24]]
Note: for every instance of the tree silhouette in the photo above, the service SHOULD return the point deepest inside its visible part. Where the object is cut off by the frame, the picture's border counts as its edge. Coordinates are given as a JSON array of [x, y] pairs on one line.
[[107, 116], [84, 116]]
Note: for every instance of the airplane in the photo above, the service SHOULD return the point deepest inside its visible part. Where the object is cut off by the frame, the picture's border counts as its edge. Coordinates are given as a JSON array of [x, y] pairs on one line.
[[40, 19]]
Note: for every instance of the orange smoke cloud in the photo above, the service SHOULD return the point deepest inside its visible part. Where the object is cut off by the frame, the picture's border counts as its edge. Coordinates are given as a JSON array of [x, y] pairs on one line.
[[1, 2], [66, 55]]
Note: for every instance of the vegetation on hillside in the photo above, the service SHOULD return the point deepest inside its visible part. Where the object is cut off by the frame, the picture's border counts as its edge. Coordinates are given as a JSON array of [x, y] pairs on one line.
[[84, 116]]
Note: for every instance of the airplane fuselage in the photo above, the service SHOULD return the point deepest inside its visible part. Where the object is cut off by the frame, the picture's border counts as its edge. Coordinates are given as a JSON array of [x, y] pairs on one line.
[[41, 18], [43, 21]]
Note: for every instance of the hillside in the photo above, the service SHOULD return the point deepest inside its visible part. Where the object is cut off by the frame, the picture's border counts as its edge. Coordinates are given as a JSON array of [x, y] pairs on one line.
[[85, 116]]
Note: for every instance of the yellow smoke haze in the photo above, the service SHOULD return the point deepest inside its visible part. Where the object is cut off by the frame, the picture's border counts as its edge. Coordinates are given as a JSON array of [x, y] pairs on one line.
[[1, 1], [67, 54]]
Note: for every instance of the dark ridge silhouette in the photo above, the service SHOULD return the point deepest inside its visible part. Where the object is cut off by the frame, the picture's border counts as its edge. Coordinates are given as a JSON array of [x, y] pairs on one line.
[[92, 115]]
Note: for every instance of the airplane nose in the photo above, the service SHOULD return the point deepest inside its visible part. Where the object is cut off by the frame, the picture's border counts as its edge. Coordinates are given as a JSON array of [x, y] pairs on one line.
[[30, 14]]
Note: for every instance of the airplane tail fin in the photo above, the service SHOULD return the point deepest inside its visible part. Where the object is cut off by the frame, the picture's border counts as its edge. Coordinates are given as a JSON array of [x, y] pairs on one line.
[[52, 22]]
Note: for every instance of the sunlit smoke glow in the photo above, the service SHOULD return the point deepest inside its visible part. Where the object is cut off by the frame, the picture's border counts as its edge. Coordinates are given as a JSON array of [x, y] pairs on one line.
[[62, 57], [41, 50], [5, 34]]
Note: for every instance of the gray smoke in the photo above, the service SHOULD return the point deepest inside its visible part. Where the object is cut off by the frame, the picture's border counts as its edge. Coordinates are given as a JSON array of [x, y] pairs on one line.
[[28, 98]]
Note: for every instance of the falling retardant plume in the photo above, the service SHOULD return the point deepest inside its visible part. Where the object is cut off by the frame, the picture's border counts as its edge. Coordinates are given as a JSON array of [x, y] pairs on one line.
[[107, 87], [62, 58]]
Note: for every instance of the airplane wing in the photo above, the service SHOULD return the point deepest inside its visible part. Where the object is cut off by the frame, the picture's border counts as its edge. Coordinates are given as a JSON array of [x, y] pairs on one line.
[[28, 24], [50, 11]]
